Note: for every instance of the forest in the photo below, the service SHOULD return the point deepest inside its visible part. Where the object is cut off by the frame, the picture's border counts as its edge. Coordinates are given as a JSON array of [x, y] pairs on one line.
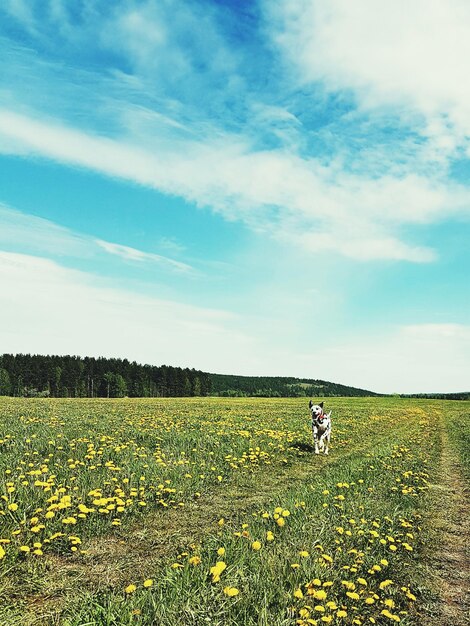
[[27, 375], [35, 375]]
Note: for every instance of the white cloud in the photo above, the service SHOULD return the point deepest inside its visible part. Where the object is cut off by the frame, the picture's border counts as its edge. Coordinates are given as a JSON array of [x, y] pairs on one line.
[[275, 191], [37, 234], [32, 234], [132, 254], [77, 313], [411, 56], [416, 358]]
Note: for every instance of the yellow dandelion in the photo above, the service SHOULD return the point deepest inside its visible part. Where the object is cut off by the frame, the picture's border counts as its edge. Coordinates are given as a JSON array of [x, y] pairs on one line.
[[320, 594], [256, 545], [391, 616], [231, 591], [148, 582], [353, 595], [130, 589], [385, 583], [217, 570]]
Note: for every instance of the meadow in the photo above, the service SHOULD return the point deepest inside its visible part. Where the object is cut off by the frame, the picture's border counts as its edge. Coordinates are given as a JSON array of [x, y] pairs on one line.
[[216, 511]]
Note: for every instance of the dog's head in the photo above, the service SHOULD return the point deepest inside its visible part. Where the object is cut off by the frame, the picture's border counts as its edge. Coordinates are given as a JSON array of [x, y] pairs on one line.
[[316, 409]]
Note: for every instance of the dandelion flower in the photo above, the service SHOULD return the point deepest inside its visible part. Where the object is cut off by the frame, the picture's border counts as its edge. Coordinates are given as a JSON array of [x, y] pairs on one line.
[[231, 591], [256, 545], [195, 560], [385, 583], [353, 595], [391, 616], [217, 570], [130, 589], [148, 582]]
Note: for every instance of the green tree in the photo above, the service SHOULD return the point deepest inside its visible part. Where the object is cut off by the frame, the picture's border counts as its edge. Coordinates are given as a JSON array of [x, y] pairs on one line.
[[197, 386], [5, 383], [118, 387]]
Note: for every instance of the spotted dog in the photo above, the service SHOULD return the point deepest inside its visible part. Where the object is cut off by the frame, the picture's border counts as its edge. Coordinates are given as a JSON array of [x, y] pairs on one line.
[[321, 427]]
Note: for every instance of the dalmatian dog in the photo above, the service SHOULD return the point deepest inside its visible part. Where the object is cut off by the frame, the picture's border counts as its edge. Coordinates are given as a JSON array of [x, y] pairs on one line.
[[321, 427]]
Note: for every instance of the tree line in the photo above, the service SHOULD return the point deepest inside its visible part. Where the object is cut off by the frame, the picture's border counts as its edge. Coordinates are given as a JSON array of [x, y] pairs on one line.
[[280, 386], [34, 375]]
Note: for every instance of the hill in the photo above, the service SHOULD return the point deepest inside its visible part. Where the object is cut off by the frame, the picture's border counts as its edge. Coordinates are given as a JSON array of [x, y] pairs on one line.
[[280, 386]]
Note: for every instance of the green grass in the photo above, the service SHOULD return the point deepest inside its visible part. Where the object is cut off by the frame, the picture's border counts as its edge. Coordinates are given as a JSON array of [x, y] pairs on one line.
[[194, 462]]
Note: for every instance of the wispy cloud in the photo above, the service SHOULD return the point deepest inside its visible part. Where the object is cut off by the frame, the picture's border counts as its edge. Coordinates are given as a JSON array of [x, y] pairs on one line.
[[107, 321], [409, 57], [417, 358], [349, 181], [132, 254], [273, 191], [33, 234]]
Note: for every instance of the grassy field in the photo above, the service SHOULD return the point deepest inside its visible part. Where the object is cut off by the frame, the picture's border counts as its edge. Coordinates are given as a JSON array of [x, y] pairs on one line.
[[217, 511]]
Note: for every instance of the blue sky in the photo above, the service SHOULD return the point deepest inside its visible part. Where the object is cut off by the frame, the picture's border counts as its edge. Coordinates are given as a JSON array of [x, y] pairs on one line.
[[266, 188]]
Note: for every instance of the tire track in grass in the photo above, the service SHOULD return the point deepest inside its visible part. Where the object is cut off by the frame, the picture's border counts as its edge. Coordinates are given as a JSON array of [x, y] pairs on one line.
[[449, 565]]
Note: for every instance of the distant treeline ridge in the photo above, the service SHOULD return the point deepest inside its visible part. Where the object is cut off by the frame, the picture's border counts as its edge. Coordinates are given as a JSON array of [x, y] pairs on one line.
[[76, 377], [280, 386], [88, 377]]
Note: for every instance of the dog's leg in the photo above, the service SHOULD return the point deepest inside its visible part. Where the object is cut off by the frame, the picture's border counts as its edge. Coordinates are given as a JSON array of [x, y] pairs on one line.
[[315, 439], [327, 439]]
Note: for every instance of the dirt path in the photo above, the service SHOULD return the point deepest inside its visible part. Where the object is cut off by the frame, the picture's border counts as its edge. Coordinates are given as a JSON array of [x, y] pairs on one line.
[[450, 563]]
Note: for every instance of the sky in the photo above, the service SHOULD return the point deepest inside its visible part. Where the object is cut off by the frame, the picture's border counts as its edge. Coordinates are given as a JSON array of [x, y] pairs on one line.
[[260, 188]]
